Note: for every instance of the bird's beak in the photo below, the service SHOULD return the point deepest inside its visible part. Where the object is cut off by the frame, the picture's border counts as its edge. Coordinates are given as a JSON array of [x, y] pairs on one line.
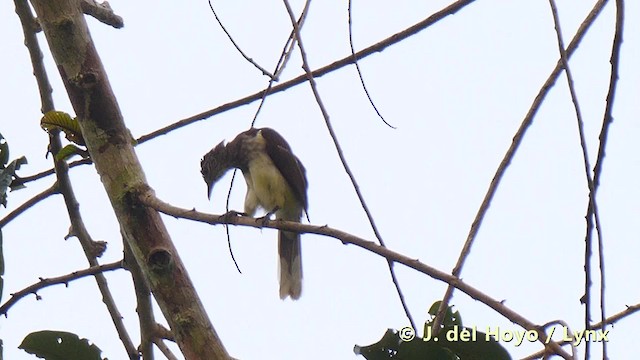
[[209, 190]]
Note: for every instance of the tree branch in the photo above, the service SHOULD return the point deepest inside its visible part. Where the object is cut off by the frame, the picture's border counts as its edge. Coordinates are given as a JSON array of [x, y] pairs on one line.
[[64, 279], [343, 160], [28, 204], [338, 64], [601, 325], [348, 60], [102, 12], [509, 155], [233, 42], [152, 201]]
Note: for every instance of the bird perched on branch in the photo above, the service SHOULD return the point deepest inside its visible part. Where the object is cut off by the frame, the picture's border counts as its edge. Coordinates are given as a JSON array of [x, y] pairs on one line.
[[276, 181]]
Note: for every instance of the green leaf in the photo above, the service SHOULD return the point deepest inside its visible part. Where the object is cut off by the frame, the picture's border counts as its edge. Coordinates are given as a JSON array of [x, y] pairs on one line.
[[392, 347], [470, 344], [450, 318], [69, 151], [4, 152], [59, 120], [1, 279], [59, 345], [452, 343], [6, 177]]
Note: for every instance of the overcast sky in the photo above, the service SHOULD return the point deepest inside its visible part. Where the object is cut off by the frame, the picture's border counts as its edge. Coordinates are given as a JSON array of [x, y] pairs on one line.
[[456, 92]]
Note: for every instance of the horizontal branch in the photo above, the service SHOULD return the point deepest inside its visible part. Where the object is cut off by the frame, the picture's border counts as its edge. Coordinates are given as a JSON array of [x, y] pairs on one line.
[[150, 200], [64, 279]]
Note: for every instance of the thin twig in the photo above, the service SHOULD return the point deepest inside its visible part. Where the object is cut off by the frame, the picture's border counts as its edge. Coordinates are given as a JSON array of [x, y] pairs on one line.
[[506, 160], [48, 172], [282, 62], [601, 326], [250, 60], [149, 199], [377, 47], [64, 279], [606, 122], [28, 204], [565, 325], [64, 182], [593, 206], [355, 62], [343, 160]]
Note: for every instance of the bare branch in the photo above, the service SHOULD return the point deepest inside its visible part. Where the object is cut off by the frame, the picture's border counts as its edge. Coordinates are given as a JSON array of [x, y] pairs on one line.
[[343, 160], [250, 60], [506, 160], [152, 201], [144, 308], [28, 204], [593, 206], [291, 42], [606, 122], [48, 172], [102, 12], [338, 64], [164, 349], [355, 62], [64, 279], [601, 325], [377, 47]]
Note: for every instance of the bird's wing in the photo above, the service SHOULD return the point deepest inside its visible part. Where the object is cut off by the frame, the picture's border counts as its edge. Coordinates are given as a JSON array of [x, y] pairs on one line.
[[287, 163]]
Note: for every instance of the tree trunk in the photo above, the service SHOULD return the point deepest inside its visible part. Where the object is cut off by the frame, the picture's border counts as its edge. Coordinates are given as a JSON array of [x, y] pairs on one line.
[[111, 147]]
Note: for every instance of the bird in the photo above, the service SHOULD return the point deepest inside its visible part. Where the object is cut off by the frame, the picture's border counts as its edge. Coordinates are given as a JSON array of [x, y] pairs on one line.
[[276, 182]]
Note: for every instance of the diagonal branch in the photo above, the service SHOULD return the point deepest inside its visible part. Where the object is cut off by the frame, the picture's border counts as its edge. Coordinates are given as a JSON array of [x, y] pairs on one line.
[[64, 279], [102, 12], [52, 190], [348, 60], [509, 155], [245, 56]]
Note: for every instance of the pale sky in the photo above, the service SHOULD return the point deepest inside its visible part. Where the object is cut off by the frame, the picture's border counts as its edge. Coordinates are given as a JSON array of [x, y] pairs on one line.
[[456, 92]]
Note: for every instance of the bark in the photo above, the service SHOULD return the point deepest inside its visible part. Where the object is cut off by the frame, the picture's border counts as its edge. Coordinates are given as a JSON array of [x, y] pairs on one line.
[[111, 147]]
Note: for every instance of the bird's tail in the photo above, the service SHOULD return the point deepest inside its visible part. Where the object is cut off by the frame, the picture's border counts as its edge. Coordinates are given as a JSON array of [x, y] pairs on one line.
[[290, 265]]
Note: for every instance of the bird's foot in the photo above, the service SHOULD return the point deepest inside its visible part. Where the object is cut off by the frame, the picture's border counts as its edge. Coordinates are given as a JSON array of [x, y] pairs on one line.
[[265, 219], [226, 217]]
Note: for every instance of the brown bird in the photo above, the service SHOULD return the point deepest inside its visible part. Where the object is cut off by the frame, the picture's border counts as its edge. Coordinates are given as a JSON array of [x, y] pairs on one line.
[[276, 181]]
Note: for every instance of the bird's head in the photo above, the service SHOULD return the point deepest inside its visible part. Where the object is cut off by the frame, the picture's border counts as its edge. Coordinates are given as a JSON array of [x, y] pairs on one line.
[[214, 165]]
